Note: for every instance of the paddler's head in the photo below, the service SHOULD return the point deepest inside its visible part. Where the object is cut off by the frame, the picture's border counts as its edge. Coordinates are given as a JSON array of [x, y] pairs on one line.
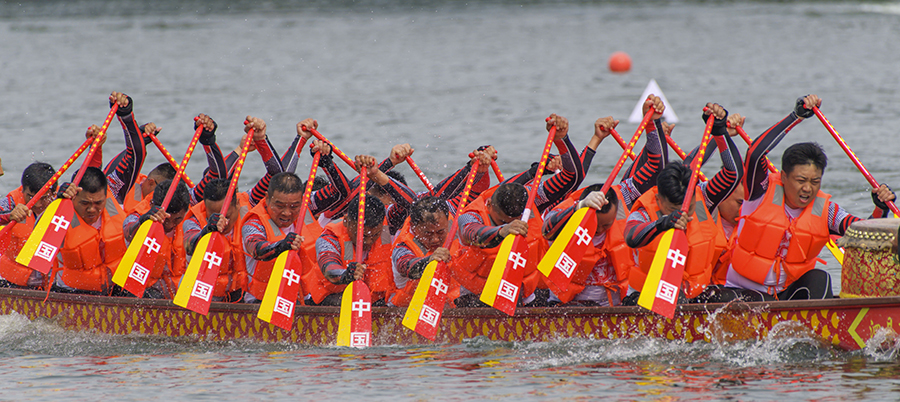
[[672, 184], [178, 205], [159, 174], [428, 221], [730, 209], [606, 215], [33, 178], [507, 203], [375, 190], [802, 166], [284, 199], [213, 199], [373, 225], [90, 201]]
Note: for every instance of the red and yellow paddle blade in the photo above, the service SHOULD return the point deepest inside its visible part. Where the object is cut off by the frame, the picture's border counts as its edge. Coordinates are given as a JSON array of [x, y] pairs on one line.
[[140, 259], [355, 325], [199, 281], [278, 303], [501, 291], [427, 305], [837, 251], [44, 241], [561, 261], [660, 292]]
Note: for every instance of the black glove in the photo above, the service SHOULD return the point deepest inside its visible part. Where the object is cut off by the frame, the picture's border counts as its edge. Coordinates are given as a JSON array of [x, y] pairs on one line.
[[207, 137], [668, 222], [212, 224], [720, 126], [878, 203], [65, 186], [801, 110], [153, 210], [347, 276], [124, 111]]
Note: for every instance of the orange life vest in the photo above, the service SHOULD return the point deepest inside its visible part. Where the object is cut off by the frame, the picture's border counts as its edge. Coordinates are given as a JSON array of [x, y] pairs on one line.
[[10, 270], [404, 295], [756, 249], [134, 196], [174, 257], [472, 265], [88, 256], [379, 277], [720, 272], [232, 276], [705, 237], [614, 249]]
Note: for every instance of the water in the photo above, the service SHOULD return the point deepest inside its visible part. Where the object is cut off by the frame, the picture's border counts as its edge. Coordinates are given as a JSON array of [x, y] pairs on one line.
[[445, 76]]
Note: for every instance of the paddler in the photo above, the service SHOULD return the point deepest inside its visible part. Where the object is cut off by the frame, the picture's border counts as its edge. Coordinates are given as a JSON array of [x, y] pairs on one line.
[[603, 279], [788, 219], [659, 210], [496, 213]]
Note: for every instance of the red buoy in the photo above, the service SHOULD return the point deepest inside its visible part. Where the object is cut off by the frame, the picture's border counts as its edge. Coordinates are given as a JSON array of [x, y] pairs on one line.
[[619, 62]]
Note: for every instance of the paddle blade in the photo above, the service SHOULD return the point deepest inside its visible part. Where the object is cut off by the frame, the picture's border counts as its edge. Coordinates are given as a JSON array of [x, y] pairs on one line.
[[44, 241], [501, 291], [199, 281], [561, 261], [837, 251], [355, 325], [278, 303], [424, 312], [140, 259], [660, 292]]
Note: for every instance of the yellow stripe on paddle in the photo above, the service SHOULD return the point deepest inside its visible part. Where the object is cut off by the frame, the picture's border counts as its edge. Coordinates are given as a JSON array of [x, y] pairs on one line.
[[124, 268], [648, 293], [343, 336], [267, 307], [836, 251], [415, 305], [34, 240], [190, 277], [559, 245], [489, 294]]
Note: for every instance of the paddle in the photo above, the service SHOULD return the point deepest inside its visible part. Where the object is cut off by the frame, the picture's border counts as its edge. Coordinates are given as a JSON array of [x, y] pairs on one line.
[[199, 281], [355, 323], [680, 152], [334, 148], [501, 290], [168, 156], [283, 287], [44, 243], [40, 194], [561, 260], [852, 156], [426, 307], [497, 171], [743, 134], [142, 254], [660, 291], [419, 173]]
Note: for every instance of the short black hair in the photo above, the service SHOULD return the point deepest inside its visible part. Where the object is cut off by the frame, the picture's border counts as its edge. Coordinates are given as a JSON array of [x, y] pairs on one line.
[[319, 183], [36, 175], [374, 211], [216, 190], [397, 176], [610, 196], [285, 182], [803, 153], [93, 180], [164, 170], [423, 210], [510, 198], [180, 201], [673, 181]]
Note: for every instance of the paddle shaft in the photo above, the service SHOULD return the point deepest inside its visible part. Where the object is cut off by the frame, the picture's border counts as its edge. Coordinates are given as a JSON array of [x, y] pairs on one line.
[[415, 168], [334, 148], [310, 181], [698, 162], [96, 143], [622, 144], [852, 156], [169, 157], [540, 173], [238, 165], [361, 216], [454, 224], [180, 171], [622, 158], [746, 138], [497, 170], [680, 152]]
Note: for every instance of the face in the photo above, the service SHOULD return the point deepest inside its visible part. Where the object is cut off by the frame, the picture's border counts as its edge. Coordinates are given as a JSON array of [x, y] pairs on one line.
[[173, 221], [370, 235], [730, 209], [801, 185], [497, 216], [433, 232], [89, 206], [147, 186], [667, 207], [385, 198], [214, 207], [284, 208], [41, 204], [606, 220]]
